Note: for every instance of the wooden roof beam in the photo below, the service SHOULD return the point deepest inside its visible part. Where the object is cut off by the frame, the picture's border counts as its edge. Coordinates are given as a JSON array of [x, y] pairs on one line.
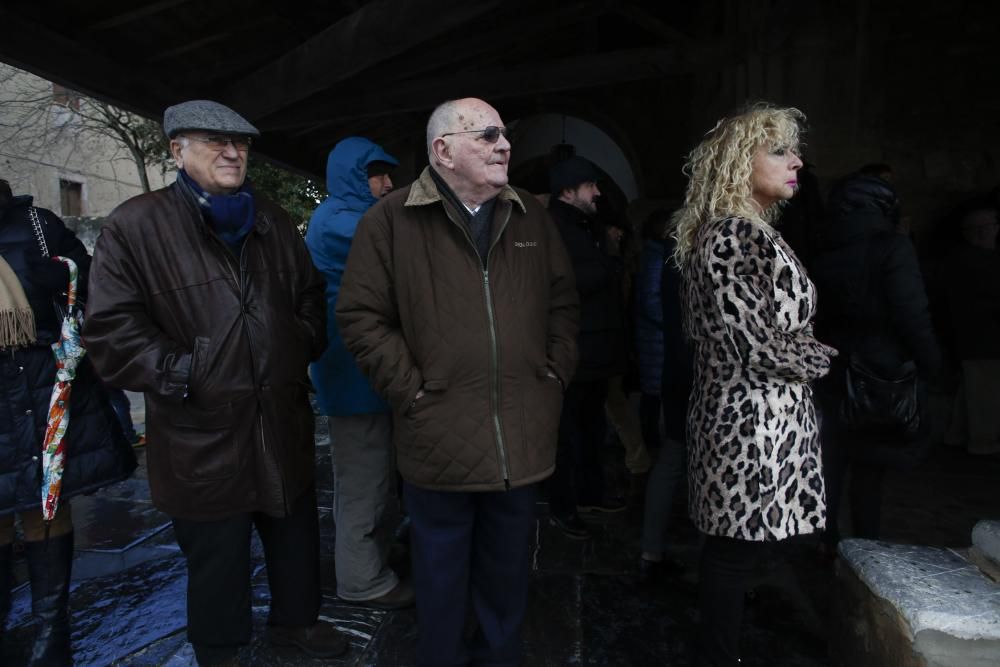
[[376, 32], [134, 15], [69, 64], [641, 18], [563, 74], [188, 47], [443, 56]]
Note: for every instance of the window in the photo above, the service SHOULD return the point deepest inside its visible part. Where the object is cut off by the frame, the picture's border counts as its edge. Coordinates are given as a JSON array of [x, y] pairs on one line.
[[71, 197]]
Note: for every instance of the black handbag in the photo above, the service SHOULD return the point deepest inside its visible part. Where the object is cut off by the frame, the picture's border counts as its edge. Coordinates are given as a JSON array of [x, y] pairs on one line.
[[871, 400]]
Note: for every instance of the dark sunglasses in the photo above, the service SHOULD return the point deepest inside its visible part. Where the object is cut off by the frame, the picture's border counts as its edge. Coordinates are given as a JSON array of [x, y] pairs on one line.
[[489, 134]]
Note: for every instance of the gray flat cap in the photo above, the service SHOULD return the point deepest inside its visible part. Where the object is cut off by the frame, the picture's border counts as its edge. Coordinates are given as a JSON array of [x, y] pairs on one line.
[[205, 115]]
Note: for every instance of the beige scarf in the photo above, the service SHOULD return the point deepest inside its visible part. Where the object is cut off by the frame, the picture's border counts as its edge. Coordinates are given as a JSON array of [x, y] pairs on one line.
[[17, 321]]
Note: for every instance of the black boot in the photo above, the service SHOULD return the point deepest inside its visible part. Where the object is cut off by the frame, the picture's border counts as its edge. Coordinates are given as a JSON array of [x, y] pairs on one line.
[[6, 579], [49, 565]]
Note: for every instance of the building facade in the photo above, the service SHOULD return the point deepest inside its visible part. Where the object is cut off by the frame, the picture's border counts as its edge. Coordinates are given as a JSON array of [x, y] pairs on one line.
[[58, 149]]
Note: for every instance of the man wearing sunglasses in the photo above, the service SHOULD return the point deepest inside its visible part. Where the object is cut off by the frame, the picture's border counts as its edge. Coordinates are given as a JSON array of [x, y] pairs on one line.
[[203, 296], [458, 302]]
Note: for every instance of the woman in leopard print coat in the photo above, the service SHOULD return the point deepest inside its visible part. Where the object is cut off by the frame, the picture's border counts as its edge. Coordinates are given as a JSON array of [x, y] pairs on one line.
[[754, 468]]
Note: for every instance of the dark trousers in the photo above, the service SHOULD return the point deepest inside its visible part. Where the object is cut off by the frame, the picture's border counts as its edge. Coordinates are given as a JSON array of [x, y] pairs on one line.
[[726, 566], [649, 418], [579, 475], [866, 499], [666, 479], [218, 563], [865, 493], [470, 550], [123, 410]]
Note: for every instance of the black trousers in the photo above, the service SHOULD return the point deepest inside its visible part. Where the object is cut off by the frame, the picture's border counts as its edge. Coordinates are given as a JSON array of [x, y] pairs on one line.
[[218, 563], [867, 476], [865, 493], [726, 566], [649, 419], [579, 475]]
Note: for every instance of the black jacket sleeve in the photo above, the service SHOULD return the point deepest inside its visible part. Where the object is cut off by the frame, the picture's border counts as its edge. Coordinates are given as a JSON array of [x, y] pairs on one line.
[[907, 307]]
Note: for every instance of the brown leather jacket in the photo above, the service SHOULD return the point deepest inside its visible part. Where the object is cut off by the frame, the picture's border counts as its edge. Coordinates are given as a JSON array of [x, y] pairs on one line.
[[419, 311], [220, 346]]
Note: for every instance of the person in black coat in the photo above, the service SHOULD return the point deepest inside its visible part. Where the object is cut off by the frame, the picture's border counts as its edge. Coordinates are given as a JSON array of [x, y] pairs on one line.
[[669, 472], [97, 453], [647, 319], [578, 481], [972, 283], [872, 302]]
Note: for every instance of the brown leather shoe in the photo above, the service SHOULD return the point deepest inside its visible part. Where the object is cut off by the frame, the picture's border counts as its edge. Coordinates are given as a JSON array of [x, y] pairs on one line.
[[400, 597], [319, 640]]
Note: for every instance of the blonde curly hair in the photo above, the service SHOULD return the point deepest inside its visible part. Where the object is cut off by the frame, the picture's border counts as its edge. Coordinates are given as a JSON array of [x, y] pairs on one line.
[[719, 170]]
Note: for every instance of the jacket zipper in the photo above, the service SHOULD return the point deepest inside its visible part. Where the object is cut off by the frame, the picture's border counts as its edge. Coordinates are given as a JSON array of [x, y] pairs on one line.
[[246, 330], [494, 347], [253, 372], [240, 282], [495, 376]]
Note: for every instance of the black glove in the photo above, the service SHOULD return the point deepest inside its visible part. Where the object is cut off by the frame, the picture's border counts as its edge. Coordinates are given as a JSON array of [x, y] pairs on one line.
[[48, 274]]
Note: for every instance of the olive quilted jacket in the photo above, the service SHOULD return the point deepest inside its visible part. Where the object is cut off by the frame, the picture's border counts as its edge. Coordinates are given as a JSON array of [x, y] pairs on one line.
[[490, 342]]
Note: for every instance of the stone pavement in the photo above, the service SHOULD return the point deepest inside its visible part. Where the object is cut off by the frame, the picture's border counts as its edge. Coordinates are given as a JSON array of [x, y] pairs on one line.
[[587, 604]]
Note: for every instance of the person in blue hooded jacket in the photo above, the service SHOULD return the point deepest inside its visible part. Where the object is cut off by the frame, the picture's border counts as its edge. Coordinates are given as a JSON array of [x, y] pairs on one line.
[[357, 176]]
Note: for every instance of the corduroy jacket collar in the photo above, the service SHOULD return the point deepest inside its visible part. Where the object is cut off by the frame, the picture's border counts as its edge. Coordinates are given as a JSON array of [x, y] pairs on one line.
[[424, 191]]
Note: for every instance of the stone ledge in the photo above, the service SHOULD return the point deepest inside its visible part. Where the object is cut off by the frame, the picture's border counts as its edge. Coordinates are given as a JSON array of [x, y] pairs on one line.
[[913, 606], [933, 588], [986, 538], [986, 565]]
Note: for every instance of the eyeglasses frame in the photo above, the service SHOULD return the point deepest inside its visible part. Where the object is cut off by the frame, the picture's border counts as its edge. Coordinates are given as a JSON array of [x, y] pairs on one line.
[[229, 139], [500, 131]]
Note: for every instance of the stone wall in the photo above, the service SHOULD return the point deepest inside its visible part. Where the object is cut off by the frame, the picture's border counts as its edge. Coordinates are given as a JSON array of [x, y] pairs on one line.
[[41, 144], [86, 229]]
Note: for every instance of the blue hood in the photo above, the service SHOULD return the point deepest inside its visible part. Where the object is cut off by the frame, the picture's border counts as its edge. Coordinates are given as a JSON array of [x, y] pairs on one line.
[[341, 387], [347, 174]]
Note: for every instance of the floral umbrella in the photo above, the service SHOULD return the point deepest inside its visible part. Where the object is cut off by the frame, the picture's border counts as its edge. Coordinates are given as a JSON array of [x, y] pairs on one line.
[[68, 351]]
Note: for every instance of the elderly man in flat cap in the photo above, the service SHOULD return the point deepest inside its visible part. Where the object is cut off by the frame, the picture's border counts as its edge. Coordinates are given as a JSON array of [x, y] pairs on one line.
[[203, 296]]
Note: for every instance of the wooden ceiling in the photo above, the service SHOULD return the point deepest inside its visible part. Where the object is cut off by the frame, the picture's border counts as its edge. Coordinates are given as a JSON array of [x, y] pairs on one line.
[[309, 72]]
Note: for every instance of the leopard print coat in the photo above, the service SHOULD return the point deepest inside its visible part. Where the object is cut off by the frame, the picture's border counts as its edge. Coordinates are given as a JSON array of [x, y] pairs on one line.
[[754, 464]]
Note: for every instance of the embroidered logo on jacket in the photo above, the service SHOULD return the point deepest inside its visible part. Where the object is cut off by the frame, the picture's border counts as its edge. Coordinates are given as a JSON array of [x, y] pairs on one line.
[[525, 244]]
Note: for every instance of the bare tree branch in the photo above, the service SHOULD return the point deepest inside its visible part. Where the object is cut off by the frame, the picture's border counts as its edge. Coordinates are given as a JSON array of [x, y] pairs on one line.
[[35, 117]]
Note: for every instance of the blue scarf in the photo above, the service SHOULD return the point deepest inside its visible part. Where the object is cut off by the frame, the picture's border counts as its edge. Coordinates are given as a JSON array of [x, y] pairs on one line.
[[231, 216]]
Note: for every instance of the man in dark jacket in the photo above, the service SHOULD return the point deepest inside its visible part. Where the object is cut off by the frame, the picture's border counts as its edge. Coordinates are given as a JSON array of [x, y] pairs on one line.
[[973, 280], [458, 303], [578, 482], [360, 422], [32, 287], [203, 296]]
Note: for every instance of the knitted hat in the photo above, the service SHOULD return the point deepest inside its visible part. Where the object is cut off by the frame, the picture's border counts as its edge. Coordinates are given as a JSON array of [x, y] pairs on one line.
[[205, 115]]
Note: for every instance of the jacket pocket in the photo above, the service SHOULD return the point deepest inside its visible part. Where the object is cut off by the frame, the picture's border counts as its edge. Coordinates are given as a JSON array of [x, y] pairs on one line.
[[547, 374], [433, 389], [199, 361], [435, 385], [541, 407], [203, 446]]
